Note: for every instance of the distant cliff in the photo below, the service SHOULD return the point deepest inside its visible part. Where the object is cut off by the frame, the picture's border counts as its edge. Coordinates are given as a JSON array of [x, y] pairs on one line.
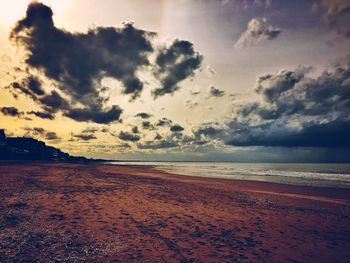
[[22, 148]]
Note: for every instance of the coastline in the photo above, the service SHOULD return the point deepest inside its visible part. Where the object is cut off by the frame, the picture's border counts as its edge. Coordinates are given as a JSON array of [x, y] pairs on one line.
[[244, 185], [94, 211], [306, 174]]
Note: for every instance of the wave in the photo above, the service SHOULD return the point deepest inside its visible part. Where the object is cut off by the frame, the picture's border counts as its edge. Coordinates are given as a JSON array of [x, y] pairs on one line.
[[334, 175]]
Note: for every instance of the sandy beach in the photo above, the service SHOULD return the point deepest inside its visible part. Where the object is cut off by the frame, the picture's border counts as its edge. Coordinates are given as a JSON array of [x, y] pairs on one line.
[[63, 212]]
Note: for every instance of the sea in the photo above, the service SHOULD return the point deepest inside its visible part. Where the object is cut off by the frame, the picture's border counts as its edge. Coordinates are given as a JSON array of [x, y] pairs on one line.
[[319, 175]]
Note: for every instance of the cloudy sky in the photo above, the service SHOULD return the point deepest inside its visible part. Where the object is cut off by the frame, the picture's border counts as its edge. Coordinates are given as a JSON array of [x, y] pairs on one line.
[[230, 80]]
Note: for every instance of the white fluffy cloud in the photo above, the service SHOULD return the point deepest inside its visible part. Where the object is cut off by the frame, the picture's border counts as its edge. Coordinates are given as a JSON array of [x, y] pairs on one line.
[[258, 30]]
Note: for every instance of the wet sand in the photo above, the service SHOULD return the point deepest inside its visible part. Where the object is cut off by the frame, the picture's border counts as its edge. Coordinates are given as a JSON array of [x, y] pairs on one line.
[[103, 213]]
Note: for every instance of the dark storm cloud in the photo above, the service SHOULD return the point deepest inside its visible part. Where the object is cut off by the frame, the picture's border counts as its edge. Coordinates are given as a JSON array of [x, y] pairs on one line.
[[78, 61], [126, 136], [337, 15], [30, 86], [290, 93], [34, 84], [313, 134], [272, 86], [176, 128], [175, 64], [42, 114], [54, 102], [22, 87], [95, 114], [11, 111], [295, 111], [258, 30], [143, 115], [215, 92]]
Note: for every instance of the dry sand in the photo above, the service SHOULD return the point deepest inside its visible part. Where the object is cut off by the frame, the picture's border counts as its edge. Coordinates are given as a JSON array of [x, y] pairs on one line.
[[103, 213]]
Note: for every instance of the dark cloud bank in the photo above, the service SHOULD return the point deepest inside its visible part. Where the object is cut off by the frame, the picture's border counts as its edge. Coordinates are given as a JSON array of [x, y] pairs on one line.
[[77, 62], [292, 110], [175, 64], [295, 111]]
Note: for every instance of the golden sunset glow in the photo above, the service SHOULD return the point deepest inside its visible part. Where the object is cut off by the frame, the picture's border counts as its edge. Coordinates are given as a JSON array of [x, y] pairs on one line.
[[213, 85]]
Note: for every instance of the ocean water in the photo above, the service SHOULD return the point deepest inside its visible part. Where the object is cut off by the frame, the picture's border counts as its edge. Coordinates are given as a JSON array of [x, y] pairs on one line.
[[331, 175]]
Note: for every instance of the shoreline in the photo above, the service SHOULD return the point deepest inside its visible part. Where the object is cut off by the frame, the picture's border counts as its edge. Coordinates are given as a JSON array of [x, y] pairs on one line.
[[279, 188], [110, 213], [168, 174], [158, 170], [256, 177]]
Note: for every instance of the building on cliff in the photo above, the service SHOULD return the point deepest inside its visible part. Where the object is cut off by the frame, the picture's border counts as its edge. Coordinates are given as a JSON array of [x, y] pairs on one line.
[[22, 148]]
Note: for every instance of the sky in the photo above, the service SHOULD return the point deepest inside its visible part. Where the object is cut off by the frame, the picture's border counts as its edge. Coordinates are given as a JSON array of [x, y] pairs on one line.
[[179, 80]]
